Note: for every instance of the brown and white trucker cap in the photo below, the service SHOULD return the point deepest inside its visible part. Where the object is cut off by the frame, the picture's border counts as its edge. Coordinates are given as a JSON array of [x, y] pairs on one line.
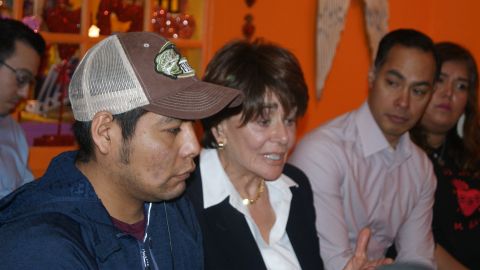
[[142, 69]]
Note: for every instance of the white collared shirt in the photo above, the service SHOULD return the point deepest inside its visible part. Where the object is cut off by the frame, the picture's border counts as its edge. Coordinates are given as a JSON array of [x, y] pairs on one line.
[[216, 185]]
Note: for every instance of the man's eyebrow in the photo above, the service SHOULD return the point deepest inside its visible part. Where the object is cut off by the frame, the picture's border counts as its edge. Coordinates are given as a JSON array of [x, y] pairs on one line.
[[423, 83], [396, 74], [401, 77]]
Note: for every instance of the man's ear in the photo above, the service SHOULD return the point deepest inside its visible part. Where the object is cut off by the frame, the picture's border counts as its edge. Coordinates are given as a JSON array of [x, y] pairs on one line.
[[101, 130]]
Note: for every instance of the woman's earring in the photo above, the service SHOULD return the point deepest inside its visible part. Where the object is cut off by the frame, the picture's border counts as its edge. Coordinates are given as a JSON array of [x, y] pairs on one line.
[[460, 124], [220, 145]]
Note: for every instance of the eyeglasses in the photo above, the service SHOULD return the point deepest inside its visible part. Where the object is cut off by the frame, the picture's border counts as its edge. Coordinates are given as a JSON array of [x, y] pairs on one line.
[[24, 77]]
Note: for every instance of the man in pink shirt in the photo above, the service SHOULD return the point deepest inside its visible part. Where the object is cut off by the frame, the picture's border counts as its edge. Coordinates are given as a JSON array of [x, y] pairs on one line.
[[364, 169]]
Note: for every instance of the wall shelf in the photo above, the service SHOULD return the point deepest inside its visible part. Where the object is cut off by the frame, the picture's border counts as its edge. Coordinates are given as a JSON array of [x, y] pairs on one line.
[[88, 7]]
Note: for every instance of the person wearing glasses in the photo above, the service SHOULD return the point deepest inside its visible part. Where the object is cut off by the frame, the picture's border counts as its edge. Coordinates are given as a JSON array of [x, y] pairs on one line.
[[20, 52]]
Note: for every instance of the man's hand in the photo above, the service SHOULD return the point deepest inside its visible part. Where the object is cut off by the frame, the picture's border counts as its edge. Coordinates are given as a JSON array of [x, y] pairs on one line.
[[360, 261]]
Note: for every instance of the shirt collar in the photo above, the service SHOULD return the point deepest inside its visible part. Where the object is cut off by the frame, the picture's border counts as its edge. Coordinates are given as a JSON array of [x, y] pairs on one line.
[[217, 186], [371, 136], [213, 178]]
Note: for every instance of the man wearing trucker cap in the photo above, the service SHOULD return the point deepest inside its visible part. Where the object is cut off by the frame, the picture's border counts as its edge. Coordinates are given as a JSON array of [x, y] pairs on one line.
[[114, 204]]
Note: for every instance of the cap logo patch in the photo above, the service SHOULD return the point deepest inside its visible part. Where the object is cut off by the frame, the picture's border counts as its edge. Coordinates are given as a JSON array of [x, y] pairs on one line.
[[170, 63]]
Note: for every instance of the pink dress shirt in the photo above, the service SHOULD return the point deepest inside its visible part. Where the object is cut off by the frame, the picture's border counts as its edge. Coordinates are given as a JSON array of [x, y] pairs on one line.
[[358, 181]]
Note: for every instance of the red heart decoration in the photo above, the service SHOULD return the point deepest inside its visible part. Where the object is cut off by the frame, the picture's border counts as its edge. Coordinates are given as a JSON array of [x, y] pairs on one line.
[[468, 199]]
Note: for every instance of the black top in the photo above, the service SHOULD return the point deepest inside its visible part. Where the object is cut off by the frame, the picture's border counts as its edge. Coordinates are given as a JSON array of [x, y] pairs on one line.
[[456, 212], [228, 241]]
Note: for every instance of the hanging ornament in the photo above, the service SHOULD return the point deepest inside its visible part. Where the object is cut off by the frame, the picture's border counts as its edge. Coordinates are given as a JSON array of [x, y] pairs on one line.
[[170, 20], [250, 3], [159, 18], [376, 17], [248, 28], [330, 23], [186, 25], [171, 26]]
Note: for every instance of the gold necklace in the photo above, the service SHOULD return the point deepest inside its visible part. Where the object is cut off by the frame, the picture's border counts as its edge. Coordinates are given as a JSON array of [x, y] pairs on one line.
[[260, 189]]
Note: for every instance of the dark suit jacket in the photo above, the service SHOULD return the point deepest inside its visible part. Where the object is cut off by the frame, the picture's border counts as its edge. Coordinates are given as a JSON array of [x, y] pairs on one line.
[[228, 242]]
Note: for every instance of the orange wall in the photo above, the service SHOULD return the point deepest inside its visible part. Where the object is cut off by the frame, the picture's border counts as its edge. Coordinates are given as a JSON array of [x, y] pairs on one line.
[[458, 21], [292, 25]]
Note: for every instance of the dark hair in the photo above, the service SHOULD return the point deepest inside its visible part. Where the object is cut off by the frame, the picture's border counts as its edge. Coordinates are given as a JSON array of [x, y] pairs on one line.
[[409, 38], [257, 69], [465, 152], [127, 122], [12, 31]]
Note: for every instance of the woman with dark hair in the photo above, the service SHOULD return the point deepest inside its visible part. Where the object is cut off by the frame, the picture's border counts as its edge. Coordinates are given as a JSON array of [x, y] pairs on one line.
[[449, 132], [256, 212]]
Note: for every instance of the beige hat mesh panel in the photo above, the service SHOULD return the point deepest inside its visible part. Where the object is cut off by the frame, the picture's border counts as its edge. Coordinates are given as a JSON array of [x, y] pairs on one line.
[[105, 81]]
